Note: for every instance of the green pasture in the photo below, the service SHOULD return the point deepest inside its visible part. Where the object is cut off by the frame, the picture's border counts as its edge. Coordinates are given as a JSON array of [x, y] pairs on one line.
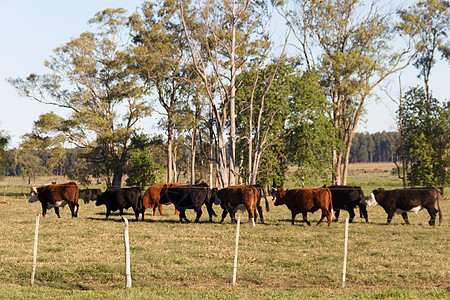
[[83, 258]]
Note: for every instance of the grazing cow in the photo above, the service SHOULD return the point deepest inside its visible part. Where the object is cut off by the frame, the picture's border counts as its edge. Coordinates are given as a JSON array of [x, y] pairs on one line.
[[348, 197], [188, 197], [151, 198], [120, 199], [230, 199], [403, 200], [233, 198], [56, 196], [304, 201], [89, 195]]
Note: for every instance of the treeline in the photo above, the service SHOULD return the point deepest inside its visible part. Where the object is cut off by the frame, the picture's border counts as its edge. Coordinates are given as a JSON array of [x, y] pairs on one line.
[[375, 147]]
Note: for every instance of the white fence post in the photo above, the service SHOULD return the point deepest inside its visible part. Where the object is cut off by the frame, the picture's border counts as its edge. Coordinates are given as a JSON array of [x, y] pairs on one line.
[[345, 251], [236, 250], [126, 242], [36, 235]]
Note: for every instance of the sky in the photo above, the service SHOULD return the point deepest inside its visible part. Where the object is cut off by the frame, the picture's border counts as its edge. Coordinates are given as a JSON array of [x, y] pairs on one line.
[[30, 30]]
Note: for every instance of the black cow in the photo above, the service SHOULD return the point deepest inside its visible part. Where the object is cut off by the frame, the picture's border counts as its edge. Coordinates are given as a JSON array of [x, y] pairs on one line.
[[89, 195], [348, 197], [403, 200], [120, 199], [189, 197]]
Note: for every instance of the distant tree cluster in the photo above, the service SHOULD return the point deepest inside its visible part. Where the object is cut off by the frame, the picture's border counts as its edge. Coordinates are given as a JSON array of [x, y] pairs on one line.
[[375, 147]]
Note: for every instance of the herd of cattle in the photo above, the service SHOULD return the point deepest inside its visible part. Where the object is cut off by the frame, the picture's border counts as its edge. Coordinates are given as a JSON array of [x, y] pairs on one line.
[[330, 200]]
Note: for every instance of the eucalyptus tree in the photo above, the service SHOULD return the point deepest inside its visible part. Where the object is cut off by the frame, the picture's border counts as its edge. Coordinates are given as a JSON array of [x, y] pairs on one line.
[[350, 43], [291, 124], [4, 140], [427, 138], [223, 37], [427, 23], [162, 61], [100, 98]]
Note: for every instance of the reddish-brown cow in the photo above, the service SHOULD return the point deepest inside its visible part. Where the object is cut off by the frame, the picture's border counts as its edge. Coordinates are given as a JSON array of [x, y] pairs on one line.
[[152, 196], [304, 201], [237, 197], [56, 196]]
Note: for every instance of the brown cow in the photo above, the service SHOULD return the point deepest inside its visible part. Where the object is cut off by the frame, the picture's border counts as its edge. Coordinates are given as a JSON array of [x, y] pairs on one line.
[[233, 198], [56, 196], [152, 196], [304, 201]]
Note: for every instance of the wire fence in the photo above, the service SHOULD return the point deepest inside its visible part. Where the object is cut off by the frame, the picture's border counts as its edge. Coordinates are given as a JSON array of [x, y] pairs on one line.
[[248, 272]]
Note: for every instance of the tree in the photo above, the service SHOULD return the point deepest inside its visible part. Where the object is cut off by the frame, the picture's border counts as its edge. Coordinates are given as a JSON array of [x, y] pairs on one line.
[[354, 55], [427, 138], [4, 140], [142, 170], [427, 23], [89, 78], [223, 37], [162, 61]]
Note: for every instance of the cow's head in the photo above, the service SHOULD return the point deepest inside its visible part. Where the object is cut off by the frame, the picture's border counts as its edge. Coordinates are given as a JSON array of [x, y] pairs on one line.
[[217, 200], [278, 194], [33, 195], [101, 199], [372, 198]]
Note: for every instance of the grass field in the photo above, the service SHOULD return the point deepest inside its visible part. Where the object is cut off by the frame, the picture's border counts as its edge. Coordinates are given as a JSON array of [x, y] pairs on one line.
[[83, 258]]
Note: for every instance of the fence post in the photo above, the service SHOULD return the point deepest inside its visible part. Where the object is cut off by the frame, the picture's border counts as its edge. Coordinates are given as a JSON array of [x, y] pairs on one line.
[[126, 242], [36, 236], [345, 251], [236, 250]]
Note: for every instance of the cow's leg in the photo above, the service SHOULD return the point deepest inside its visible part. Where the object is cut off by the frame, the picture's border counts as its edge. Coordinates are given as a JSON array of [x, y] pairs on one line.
[[160, 210], [390, 216], [363, 212], [324, 212], [136, 213], [108, 212], [224, 215], [143, 213], [121, 211], [432, 212], [77, 206], [305, 219], [233, 216], [351, 212], [183, 217], [199, 214], [210, 210], [44, 209], [251, 215], [405, 217], [336, 215], [260, 211], [57, 212]]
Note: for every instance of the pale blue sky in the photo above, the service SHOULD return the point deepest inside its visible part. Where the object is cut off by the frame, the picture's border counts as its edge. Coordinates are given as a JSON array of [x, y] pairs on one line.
[[31, 29]]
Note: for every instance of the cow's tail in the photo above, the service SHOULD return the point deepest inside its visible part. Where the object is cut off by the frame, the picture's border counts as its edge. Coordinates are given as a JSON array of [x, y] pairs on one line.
[[265, 197], [330, 207], [439, 208]]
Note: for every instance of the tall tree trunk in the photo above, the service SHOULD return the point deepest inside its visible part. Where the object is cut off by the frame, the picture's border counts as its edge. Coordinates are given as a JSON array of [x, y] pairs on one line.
[[193, 146], [169, 153], [232, 100]]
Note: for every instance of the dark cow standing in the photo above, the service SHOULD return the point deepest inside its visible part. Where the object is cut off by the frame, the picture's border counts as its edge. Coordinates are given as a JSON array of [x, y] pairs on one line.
[[120, 199], [404, 200], [188, 197], [56, 196], [348, 197], [89, 194], [233, 198], [304, 201], [151, 198]]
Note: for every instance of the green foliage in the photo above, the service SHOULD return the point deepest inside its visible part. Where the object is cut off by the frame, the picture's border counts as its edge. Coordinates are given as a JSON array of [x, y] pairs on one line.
[[142, 170], [4, 140], [427, 138]]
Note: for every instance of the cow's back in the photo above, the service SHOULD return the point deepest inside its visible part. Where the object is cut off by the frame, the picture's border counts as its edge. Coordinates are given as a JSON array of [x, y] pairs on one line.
[[56, 192]]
